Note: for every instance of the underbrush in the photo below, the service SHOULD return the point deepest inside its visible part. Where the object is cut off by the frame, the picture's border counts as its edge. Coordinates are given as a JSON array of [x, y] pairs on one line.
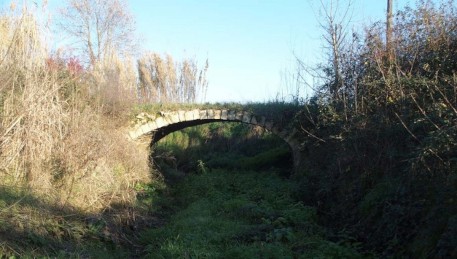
[[239, 214], [67, 170], [224, 145], [31, 227], [229, 195], [389, 181], [380, 138], [61, 134]]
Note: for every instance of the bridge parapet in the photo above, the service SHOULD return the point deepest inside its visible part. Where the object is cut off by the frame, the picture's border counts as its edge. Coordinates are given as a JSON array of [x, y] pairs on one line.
[[150, 124]]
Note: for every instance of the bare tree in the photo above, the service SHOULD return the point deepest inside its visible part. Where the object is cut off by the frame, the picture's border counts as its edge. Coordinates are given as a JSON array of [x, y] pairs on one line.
[[335, 23], [99, 27]]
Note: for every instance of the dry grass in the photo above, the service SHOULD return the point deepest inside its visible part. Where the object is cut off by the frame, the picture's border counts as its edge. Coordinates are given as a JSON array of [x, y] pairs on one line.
[[96, 165], [33, 117], [66, 165], [164, 80], [61, 126], [69, 147]]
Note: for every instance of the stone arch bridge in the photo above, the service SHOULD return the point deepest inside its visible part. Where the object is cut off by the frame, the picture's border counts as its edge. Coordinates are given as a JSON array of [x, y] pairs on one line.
[[168, 122]]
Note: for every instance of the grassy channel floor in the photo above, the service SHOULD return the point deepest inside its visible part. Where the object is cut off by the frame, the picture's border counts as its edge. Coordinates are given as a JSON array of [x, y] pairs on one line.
[[225, 193], [215, 213], [238, 214]]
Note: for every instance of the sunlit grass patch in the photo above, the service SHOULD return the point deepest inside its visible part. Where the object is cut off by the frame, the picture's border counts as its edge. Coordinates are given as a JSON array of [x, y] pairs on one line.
[[34, 227]]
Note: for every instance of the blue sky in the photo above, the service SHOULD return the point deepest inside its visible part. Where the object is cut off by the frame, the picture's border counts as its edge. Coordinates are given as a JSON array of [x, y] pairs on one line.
[[249, 43]]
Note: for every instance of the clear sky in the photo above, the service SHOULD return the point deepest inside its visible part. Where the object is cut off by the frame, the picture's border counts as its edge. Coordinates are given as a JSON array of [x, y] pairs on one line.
[[249, 43]]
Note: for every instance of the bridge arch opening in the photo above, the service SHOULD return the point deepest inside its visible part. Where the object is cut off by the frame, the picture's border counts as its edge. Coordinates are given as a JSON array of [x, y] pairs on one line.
[[168, 122], [209, 145]]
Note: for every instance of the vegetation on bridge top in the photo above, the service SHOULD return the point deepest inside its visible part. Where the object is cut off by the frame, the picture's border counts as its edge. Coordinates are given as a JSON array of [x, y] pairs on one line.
[[274, 110]]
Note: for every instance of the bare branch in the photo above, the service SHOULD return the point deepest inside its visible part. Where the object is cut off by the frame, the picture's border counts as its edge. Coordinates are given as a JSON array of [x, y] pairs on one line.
[[102, 26]]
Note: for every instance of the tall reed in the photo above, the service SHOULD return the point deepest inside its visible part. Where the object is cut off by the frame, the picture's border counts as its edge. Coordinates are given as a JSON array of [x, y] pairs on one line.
[[61, 129]]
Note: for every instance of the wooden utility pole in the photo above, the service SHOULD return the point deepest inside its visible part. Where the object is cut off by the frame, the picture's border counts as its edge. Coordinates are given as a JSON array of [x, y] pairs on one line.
[[389, 30]]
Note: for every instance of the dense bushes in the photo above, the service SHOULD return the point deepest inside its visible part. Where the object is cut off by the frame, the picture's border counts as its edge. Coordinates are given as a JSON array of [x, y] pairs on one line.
[[381, 160]]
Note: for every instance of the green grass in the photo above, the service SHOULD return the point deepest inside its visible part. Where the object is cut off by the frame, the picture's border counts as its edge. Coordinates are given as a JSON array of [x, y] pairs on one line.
[[227, 145], [225, 194], [228, 196], [244, 214]]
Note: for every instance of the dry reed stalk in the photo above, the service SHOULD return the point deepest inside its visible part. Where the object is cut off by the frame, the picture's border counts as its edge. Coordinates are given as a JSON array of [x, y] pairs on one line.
[[99, 165], [164, 80], [172, 78], [96, 165], [66, 147], [114, 85], [33, 118]]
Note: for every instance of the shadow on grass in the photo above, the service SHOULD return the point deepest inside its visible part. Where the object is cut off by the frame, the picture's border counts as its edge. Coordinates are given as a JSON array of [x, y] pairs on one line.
[[232, 146], [31, 227]]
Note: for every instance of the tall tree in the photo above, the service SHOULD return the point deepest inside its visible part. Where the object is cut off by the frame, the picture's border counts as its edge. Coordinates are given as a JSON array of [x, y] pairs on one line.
[[99, 27]]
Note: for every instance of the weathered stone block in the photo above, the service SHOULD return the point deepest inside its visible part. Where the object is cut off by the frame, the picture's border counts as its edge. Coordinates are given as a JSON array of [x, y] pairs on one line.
[[173, 117], [269, 125], [262, 121], [231, 115], [239, 116], [166, 117], [210, 114], [161, 122], [182, 115], [203, 114], [140, 116], [224, 115], [132, 134], [254, 120], [145, 128], [196, 114], [188, 116], [153, 125], [246, 117], [150, 117], [218, 114]]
